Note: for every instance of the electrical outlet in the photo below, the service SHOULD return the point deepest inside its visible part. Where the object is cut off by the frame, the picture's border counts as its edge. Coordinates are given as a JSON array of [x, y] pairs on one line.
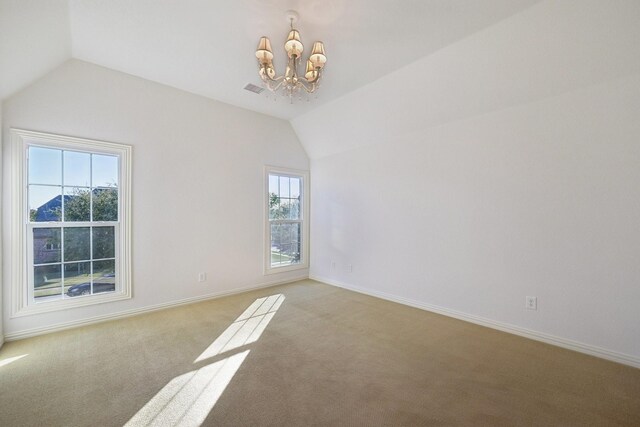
[[349, 268], [531, 303], [202, 277]]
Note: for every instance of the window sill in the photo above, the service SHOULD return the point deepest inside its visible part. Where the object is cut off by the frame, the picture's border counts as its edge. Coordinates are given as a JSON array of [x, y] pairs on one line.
[[81, 301], [284, 269]]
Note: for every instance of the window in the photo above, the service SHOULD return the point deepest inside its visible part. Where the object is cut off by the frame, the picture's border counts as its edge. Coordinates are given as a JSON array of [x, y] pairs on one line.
[[71, 216], [286, 229]]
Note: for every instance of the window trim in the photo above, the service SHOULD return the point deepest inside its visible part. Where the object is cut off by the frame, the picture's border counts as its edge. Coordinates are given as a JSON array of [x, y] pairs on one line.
[[304, 258], [20, 141]]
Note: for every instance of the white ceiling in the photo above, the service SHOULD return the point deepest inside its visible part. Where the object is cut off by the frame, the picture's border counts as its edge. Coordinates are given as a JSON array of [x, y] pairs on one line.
[[207, 47], [34, 39], [554, 47]]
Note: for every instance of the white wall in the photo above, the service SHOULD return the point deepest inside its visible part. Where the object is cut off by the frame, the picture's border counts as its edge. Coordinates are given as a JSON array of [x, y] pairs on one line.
[[35, 38], [197, 180], [473, 207], [540, 200]]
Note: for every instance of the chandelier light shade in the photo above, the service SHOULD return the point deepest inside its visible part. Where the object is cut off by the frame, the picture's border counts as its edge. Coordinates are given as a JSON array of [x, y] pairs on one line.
[[291, 84], [310, 73], [264, 52], [293, 46], [318, 57]]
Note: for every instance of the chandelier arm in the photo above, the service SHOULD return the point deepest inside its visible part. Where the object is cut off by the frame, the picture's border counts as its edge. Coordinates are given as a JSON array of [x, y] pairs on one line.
[[275, 79], [315, 83], [308, 87], [265, 76], [318, 75], [270, 84]]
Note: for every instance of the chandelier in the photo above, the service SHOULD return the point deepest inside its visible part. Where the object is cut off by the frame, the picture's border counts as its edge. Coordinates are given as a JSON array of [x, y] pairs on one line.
[[290, 84]]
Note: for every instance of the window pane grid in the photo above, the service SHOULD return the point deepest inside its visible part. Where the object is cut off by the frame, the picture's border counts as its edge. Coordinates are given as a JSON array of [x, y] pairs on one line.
[[81, 203], [285, 220], [58, 193], [285, 197], [75, 275]]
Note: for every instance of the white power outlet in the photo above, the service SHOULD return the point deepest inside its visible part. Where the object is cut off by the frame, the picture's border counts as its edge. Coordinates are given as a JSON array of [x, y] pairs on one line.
[[349, 268], [531, 303], [202, 277]]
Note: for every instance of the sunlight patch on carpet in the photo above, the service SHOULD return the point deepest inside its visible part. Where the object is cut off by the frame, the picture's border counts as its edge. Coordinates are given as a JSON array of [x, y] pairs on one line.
[[8, 360], [247, 328], [187, 400]]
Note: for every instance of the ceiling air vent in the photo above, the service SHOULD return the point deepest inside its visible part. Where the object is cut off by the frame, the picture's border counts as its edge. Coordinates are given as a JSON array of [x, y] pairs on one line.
[[253, 88]]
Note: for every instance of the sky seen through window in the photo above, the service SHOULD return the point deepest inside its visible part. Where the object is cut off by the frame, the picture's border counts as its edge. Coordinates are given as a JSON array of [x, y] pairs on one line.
[[50, 169]]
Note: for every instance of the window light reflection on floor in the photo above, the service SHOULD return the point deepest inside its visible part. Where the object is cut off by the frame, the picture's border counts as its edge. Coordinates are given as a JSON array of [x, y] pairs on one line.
[[247, 328], [187, 399], [8, 360]]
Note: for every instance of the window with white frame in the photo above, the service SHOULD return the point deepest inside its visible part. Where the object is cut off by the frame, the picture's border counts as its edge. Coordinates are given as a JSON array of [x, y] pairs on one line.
[[71, 216], [286, 226]]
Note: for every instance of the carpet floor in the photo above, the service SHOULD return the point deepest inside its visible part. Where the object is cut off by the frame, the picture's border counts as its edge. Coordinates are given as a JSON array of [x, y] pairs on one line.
[[306, 354]]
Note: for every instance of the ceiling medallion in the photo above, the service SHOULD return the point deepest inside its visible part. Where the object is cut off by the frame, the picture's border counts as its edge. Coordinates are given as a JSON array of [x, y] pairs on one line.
[[291, 84]]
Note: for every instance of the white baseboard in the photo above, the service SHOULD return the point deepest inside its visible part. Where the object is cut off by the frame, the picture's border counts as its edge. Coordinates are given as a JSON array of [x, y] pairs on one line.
[[592, 350], [28, 333]]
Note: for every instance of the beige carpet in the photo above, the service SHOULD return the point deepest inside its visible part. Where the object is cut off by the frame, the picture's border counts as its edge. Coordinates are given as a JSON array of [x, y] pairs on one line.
[[316, 355]]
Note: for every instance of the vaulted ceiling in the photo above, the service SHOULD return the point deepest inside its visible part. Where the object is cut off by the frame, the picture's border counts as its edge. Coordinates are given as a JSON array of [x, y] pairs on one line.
[[549, 49], [395, 68], [207, 47]]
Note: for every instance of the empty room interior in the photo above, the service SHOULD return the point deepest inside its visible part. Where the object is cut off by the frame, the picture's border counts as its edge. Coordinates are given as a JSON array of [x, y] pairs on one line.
[[320, 213]]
